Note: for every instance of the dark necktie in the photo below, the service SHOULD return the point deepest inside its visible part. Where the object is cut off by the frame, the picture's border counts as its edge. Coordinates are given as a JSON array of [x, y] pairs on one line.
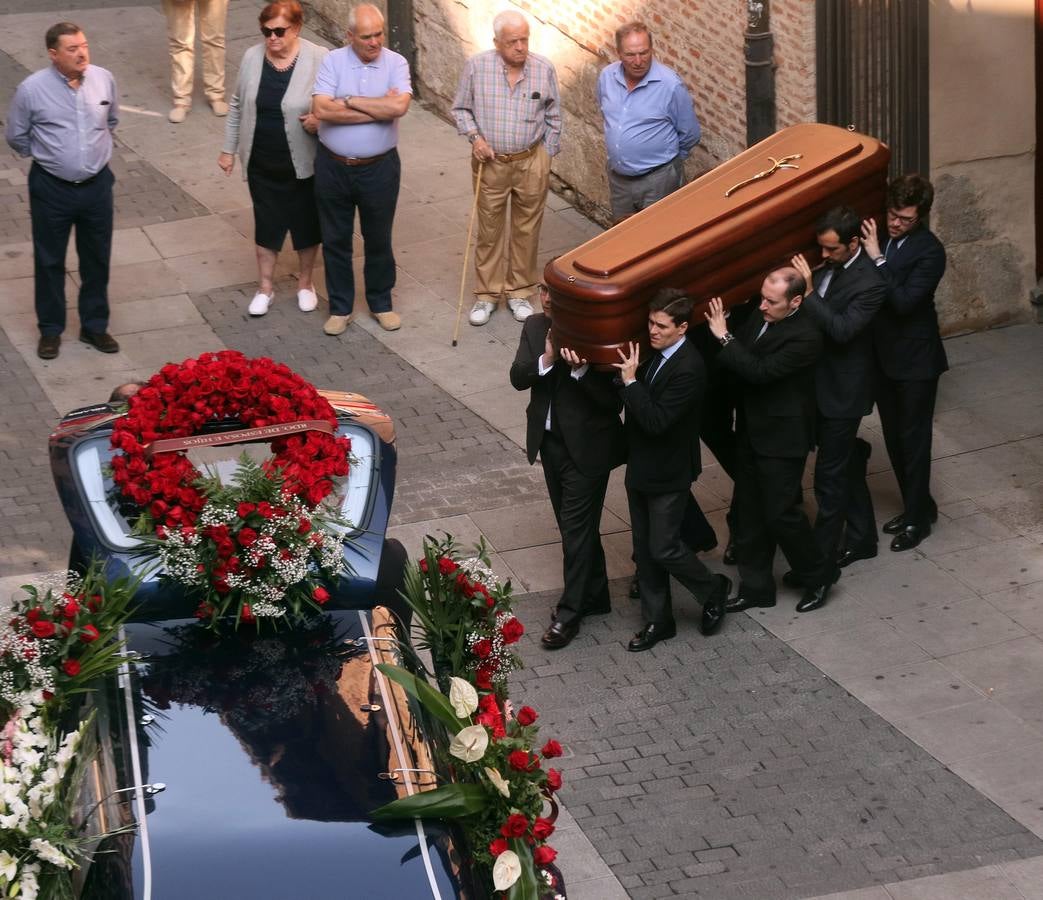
[[653, 367], [889, 250], [763, 331]]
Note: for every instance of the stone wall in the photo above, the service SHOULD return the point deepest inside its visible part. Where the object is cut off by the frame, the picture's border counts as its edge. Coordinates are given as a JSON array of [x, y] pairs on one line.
[[982, 159]]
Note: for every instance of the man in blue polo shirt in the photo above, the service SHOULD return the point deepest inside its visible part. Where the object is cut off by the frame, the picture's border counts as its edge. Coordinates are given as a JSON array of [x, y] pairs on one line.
[[650, 123], [63, 117], [360, 93]]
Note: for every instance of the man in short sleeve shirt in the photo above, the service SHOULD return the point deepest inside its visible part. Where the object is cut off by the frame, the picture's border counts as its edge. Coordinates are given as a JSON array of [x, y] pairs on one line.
[[361, 92]]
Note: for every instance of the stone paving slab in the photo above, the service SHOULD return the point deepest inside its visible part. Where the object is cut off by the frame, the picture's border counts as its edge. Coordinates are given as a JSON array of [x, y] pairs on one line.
[[731, 767]]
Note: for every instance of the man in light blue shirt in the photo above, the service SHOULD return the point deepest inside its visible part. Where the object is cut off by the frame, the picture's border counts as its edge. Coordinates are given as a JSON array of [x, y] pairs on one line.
[[63, 117], [650, 123], [361, 92]]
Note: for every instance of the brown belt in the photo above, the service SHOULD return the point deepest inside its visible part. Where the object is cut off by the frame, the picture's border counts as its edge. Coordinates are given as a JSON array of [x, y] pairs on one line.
[[521, 154], [354, 160]]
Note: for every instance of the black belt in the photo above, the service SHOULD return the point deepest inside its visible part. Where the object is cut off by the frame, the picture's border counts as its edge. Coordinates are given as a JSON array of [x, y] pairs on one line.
[[354, 160], [80, 183], [645, 174]]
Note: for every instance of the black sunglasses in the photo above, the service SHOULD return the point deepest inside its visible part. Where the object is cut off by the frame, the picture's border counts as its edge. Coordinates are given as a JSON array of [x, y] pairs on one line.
[[277, 32]]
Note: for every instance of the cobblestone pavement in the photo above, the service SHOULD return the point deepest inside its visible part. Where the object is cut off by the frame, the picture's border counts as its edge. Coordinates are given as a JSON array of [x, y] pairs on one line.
[[888, 746], [731, 767]]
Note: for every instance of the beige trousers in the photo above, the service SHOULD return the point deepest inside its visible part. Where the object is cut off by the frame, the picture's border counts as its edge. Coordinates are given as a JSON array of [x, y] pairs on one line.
[[181, 30], [517, 189]]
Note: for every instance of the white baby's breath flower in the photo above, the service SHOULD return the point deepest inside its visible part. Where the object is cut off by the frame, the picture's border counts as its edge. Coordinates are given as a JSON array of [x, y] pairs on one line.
[[470, 743], [463, 696], [499, 782], [506, 870]]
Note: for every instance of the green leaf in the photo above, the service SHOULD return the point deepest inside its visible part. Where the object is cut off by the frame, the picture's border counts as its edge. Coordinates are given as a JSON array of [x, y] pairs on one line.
[[527, 887], [434, 701], [450, 801]]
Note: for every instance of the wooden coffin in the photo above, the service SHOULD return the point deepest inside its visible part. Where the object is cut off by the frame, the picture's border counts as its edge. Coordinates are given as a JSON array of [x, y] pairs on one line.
[[717, 236]]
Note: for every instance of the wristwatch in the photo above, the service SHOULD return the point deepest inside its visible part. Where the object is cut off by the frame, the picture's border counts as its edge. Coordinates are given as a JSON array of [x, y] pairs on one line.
[[347, 102], [471, 138], [726, 338]]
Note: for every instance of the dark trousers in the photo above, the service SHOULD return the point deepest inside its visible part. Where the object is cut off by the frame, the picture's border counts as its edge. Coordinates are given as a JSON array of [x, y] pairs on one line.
[[655, 520], [372, 189], [577, 500], [769, 514], [56, 206], [906, 415], [717, 431], [840, 488]]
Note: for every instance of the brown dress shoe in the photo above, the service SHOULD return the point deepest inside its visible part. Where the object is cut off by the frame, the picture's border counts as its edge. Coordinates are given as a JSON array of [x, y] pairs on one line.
[[100, 340], [559, 635], [48, 346]]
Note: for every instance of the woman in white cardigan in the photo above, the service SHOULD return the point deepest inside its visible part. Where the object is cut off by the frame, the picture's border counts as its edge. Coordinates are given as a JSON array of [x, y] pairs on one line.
[[271, 127]]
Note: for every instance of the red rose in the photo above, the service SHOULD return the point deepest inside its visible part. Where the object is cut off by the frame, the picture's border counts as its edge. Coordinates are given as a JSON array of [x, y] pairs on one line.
[[483, 677], [264, 510], [71, 668], [68, 625], [89, 634], [43, 629], [544, 856], [446, 566], [551, 749], [519, 760], [423, 565], [34, 614], [498, 846], [303, 526], [244, 509], [553, 780], [512, 630], [483, 648], [487, 703], [247, 537], [527, 715], [320, 595], [71, 608], [543, 829], [515, 826], [94, 604], [246, 614]]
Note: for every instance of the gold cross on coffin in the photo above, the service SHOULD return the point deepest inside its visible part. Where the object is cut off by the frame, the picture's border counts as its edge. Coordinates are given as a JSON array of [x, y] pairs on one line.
[[783, 162]]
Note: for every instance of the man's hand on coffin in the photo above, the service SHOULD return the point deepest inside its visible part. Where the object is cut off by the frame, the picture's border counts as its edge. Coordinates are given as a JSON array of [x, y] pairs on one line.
[[481, 150], [801, 265], [870, 240], [715, 318], [572, 358], [548, 357], [628, 365]]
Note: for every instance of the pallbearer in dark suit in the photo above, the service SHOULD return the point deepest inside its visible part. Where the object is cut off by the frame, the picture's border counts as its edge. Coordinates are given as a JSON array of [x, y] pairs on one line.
[[847, 292], [662, 401], [573, 425], [773, 360], [908, 349]]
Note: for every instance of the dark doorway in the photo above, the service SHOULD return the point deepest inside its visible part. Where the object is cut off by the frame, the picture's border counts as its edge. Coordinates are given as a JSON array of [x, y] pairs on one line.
[[873, 73]]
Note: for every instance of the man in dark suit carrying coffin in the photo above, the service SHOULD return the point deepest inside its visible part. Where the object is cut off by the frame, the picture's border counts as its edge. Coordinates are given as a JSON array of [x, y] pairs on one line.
[[908, 349], [662, 400], [772, 357], [573, 425], [846, 294]]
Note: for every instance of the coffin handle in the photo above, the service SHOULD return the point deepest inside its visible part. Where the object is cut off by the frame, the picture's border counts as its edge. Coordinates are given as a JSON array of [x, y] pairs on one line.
[[783, 162]]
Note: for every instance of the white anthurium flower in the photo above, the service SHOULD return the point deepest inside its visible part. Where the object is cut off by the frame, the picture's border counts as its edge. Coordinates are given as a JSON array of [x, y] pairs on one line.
[[8, 866], [499, 782], [463, 696], [470, 743], [506, 870]]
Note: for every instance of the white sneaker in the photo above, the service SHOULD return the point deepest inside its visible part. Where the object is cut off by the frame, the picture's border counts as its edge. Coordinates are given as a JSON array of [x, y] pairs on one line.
[[519, 307], [480, 312], [260, 303], [306, 300]]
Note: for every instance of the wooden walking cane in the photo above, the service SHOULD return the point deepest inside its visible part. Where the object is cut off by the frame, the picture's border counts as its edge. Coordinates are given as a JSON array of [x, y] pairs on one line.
[[467, 249]]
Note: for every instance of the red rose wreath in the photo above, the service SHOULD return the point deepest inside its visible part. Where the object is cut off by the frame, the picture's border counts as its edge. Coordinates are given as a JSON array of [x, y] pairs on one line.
[[250, 548]]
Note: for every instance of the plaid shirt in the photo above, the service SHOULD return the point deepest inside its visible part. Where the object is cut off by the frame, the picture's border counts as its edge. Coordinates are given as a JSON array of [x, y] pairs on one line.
[[511, 120]]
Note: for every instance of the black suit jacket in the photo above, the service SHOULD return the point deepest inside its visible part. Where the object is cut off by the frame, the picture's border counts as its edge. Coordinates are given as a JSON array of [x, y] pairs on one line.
[[905, 331], [662, 424], [845, 375], [586, 409], [776, 379]]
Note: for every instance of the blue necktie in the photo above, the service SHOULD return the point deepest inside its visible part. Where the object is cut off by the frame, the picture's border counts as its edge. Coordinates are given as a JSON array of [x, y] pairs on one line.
[[653, 367]]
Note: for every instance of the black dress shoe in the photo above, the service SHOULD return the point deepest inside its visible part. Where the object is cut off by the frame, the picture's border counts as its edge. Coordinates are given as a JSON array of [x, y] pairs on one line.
[[559, 635], [651, 635], [893, 526], [853, 554], [635, 589], [713, 610], [813, 598], [909, 537], [100, 340], [740, 603], [48, 346], [729, 554]]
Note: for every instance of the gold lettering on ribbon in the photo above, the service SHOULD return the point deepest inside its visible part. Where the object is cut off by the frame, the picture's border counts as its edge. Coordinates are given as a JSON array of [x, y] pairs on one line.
[[239, 436]]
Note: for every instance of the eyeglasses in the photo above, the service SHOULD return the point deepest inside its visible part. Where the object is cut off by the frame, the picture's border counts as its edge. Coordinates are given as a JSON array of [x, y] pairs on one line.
[[273, 32], [903, 220]]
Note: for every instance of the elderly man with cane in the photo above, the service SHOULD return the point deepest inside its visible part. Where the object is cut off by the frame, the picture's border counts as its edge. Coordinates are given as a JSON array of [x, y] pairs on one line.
[[507, 105]]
